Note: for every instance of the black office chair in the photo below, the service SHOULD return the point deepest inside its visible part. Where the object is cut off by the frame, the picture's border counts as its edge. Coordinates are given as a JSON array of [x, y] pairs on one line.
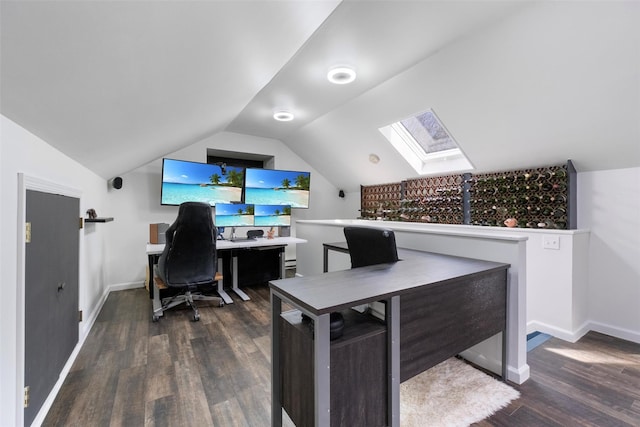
[[370, 246], [189, 259]]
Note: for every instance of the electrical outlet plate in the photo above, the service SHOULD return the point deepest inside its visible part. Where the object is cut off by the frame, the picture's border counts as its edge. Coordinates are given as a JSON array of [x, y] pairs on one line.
[[550, 242]]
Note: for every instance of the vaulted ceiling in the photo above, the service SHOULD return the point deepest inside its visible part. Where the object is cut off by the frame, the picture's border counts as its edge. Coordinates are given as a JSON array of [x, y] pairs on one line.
[[115, 85]]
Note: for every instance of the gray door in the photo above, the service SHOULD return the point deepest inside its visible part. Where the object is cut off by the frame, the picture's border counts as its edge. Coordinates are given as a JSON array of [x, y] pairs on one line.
[[51, 292]]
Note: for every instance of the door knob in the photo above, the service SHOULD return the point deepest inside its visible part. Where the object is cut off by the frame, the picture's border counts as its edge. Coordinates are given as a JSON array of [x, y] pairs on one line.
[[60, 286]]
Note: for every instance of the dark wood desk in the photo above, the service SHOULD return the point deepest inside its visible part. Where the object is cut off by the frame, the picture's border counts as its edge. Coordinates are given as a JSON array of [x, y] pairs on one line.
[[448, 305]]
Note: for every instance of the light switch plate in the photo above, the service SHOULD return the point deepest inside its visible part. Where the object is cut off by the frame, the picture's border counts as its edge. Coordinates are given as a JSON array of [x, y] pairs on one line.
[[550, 242]]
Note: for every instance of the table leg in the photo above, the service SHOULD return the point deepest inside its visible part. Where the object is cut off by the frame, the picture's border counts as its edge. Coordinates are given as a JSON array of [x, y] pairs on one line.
[[234, 279], [393, 360], [505, 335], [157, 302], [276, 390], [325, 259], [151, 283], [223, 294], [283, 267], [322, 370]]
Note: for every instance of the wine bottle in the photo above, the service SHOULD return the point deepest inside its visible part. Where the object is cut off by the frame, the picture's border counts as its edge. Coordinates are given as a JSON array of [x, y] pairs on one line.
[[546, 186], [532, 199], [561, 172], [559, 186], [559, 212], [546, 199]]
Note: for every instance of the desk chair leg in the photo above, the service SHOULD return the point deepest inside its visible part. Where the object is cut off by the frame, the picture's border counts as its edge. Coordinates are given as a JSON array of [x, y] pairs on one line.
[[186, 298], [199, 297]]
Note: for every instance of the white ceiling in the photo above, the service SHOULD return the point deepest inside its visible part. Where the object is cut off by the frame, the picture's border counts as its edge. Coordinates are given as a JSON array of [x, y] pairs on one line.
[[115, 85]]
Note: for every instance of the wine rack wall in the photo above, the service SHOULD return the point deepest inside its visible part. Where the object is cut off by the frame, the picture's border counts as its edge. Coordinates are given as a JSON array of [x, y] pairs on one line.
[[380, 201], [533, 198], [434, 199]]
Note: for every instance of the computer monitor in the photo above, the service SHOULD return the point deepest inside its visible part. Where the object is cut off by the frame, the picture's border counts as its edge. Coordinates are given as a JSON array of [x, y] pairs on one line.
[[277, 187], [234, 215], [184, 181], [272, 215]]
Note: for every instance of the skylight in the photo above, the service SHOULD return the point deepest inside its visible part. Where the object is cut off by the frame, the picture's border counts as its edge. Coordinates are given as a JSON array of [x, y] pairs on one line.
[[426, 144]]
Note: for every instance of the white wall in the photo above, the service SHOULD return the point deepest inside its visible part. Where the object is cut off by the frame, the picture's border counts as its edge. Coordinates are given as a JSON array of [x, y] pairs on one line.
[[137, 204], [609, 205], [22, 152]]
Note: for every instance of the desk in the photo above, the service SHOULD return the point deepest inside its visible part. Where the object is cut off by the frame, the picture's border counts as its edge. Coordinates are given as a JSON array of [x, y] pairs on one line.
[[451, 304], [154, 251]]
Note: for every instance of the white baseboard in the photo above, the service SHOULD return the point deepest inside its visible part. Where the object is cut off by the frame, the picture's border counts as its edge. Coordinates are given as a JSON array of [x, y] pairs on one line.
[[125, 286], [624, 334], [573, 336], [563, 334]]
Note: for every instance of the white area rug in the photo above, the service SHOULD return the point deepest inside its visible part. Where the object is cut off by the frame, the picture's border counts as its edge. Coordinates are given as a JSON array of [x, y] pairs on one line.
[[452, 394]]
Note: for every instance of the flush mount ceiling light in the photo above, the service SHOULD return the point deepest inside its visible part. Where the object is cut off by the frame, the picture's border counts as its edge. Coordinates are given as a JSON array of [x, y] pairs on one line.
[[283, 116], [341, 75], [374, 158]]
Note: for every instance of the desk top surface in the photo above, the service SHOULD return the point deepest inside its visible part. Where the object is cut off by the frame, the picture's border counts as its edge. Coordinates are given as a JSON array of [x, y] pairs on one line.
[[333, 291], [154, 249]]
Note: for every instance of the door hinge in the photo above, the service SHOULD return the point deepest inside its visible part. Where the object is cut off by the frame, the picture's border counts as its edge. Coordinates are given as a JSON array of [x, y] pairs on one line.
[[27, 232], [79, 315], [26, 397], [81, 222]]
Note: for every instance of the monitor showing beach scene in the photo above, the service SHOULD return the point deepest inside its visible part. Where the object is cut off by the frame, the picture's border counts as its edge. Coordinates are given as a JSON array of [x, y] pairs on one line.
[[277, 187], [234, 215], [272, 215], [184, 181]]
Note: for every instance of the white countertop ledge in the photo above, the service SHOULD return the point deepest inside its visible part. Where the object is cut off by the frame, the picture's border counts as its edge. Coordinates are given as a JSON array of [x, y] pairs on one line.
[[497, 233]]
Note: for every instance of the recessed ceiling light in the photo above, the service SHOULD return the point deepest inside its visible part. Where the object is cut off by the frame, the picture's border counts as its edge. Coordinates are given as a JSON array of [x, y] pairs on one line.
[[283, 116], [341, 75]]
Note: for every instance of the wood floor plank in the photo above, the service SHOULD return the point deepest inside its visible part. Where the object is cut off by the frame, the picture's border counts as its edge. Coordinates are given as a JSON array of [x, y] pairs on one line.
[[217, 372], [129, 403], [159, 382], [192, 403], [162, 412], [228, 413]]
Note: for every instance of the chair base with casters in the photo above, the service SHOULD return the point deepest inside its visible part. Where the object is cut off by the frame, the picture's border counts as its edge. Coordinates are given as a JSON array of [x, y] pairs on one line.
[[188, 298]]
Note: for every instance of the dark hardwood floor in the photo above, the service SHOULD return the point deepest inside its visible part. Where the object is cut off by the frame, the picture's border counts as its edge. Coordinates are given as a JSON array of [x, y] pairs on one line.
[[216, 372]]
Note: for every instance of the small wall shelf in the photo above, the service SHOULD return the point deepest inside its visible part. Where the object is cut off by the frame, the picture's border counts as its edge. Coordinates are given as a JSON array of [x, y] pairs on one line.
[[98, 219]]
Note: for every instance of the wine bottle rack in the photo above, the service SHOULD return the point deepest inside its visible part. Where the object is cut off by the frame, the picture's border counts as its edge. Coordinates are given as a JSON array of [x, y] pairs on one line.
[[380, 201], [433, 199], [535, 198]]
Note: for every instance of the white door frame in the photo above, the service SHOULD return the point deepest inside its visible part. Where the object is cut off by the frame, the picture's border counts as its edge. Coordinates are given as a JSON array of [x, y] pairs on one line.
[[27, 182]]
